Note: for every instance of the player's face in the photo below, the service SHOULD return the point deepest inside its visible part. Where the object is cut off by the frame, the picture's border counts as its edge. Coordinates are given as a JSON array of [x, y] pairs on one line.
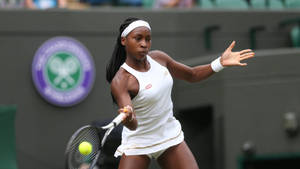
[[138, 43]]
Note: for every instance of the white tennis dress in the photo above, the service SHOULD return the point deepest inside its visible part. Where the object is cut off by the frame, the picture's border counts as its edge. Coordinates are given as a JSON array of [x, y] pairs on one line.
[[157, 127]]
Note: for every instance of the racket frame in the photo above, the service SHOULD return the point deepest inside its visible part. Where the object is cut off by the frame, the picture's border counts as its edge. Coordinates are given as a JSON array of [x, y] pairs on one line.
[[109, 128]]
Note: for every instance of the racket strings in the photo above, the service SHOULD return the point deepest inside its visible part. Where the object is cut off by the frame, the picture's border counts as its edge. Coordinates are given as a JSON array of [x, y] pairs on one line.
[[76, 159]]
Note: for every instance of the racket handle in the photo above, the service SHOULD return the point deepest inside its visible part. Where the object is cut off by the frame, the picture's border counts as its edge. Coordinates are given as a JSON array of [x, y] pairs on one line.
[[118, 119]]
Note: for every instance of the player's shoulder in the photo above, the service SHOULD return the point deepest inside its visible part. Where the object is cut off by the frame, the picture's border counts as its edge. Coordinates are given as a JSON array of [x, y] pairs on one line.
[[160, 56], [120, 79], [157, 54]]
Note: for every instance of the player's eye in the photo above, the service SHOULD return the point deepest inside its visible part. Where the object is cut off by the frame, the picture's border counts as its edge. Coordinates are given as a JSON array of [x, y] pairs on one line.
[[148, 39], [138, 38]]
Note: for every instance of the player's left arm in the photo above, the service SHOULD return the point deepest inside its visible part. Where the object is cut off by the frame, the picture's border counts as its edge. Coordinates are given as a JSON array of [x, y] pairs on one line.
[[201, 72]]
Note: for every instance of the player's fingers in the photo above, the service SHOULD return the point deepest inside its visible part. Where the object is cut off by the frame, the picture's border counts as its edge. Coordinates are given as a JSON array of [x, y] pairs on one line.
[[129, 115], [245, 51], [247, 56], [231, 46], [125, 109], [243, 64], [122, 110], [128, 108]]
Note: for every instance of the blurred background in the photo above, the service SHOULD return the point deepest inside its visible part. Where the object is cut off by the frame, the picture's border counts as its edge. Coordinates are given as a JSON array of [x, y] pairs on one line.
[[240, 118]]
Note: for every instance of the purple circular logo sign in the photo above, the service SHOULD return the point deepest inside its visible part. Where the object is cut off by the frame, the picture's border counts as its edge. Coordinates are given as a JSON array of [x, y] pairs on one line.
[[63, 71]]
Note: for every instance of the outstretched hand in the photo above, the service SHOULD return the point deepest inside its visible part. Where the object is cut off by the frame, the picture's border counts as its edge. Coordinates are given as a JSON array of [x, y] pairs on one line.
[[230, 58]]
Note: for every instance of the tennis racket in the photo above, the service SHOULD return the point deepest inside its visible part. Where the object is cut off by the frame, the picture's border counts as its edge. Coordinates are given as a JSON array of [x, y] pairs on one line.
[[96, 137]]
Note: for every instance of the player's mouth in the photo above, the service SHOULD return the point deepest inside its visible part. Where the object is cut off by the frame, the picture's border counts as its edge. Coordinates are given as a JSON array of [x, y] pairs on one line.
[[144, 52]]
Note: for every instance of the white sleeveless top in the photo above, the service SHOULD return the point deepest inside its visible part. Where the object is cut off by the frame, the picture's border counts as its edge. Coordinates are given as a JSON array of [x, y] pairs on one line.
[[157, 127]]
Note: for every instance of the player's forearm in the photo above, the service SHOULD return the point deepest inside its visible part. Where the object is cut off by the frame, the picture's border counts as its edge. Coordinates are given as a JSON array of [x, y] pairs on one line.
[[200, 73]]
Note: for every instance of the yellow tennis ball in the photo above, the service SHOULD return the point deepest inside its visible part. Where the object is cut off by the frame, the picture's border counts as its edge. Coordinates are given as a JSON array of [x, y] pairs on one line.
[[85, 148]]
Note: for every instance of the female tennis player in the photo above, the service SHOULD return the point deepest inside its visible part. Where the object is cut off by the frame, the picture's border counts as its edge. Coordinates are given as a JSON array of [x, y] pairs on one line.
[[141, 82]]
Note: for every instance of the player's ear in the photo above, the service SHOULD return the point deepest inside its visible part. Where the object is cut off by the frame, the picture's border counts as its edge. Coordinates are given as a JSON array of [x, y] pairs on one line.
[[123, 41]]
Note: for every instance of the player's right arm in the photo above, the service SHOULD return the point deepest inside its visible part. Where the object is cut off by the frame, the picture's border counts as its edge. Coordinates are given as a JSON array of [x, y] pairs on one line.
[[120, 87]]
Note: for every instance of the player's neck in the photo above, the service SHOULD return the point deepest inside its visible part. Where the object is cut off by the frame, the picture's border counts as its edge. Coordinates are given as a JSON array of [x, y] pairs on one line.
[[141, 65]]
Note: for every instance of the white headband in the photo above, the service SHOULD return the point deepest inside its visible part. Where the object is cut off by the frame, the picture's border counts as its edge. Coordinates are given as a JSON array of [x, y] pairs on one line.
[[134, 25]]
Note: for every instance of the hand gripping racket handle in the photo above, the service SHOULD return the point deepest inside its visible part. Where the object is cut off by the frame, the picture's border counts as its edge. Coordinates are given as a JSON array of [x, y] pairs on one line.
[[119, 119], [116, 121]]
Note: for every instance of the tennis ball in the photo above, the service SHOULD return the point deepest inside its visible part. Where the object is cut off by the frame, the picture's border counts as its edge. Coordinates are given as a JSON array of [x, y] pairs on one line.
[[85, 148]]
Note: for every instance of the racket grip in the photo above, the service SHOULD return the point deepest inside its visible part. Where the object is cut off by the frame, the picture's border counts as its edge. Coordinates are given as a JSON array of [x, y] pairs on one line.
[[119, 119]]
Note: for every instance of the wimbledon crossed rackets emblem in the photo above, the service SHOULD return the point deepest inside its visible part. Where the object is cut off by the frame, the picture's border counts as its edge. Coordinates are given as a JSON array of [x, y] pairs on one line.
[[63, 71]]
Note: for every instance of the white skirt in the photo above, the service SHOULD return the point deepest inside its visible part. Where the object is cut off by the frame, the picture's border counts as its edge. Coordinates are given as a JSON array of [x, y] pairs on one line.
[[173, 136]]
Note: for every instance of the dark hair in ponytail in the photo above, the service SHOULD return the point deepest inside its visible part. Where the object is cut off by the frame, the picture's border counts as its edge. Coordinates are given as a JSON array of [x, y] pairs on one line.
[[119, 54]]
